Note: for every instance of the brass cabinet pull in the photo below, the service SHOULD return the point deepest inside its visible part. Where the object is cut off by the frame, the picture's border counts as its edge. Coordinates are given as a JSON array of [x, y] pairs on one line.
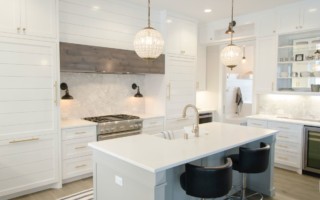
[[80, 133], [169, 91], [80, 147], [24, 140], [80, 166]]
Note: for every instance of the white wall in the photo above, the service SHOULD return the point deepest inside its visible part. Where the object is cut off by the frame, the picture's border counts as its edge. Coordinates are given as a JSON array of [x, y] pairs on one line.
[[107, 23]]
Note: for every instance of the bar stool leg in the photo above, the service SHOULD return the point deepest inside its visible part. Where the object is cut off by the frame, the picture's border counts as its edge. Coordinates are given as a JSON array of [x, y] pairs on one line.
[[244, 186]]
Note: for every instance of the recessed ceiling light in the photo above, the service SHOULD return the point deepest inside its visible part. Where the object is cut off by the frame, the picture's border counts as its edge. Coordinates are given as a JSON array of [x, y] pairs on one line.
[[208, 10], [169, 21], [312, 10], [95, 8]]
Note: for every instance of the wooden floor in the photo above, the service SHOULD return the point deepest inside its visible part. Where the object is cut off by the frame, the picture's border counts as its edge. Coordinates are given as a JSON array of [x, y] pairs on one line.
[[289, 186]]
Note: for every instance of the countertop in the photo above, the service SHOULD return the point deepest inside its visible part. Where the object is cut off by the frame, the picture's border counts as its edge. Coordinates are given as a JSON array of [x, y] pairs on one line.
[[285, 119], [149, 116], [75, 123], [156, 154]]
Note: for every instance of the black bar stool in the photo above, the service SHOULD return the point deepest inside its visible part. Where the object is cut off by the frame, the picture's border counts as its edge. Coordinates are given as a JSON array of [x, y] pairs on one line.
[[207, 182], [250, 161]]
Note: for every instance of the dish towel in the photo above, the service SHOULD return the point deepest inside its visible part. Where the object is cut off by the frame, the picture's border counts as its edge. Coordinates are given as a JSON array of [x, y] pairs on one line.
[[239, 101]]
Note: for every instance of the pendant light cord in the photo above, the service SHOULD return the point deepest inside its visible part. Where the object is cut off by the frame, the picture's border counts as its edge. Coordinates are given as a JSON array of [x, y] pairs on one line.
[[149, 25], [231, 23], [232, 14]]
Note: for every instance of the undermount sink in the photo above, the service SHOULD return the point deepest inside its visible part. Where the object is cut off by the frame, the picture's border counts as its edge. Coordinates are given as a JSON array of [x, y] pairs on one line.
[[181, 133]]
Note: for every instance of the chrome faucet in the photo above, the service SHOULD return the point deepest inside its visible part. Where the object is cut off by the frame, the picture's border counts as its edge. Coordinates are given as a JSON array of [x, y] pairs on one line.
[[195, 129]]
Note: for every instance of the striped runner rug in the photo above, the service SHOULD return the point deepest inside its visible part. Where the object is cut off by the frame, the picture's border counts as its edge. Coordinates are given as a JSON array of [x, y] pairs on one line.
[[83, 195]]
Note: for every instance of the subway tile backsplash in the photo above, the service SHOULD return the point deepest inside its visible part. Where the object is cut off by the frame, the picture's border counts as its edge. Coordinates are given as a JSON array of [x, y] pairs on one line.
[[101, 94]]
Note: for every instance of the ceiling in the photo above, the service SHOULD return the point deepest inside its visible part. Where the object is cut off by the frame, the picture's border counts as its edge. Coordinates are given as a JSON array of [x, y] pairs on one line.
[[220, 8]]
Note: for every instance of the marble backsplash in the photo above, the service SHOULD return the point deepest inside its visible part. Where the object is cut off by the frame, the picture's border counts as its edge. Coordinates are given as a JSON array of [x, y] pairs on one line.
[[295, 106], [101, 94]]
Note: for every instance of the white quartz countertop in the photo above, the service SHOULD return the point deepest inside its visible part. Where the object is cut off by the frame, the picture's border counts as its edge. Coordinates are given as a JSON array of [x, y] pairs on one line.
[[286, 120], [156, 154], [75, 123]]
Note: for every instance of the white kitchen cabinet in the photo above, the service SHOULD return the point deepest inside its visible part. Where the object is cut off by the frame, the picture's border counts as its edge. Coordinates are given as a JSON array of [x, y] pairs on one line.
[[27, 161], [266, 23], [181, 37], [28, 115], [29, 17], [201, 82], [266, 64], [181, 86], [153, 125], [288, 148], [299, 17], [76, 155]]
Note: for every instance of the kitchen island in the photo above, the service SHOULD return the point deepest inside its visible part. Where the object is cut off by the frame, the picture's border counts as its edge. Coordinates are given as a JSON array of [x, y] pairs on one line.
[[148, 167]]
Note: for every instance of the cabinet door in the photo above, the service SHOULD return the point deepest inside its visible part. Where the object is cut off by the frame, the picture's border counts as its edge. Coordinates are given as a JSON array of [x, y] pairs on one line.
[[27, 162], [39, 17], [289, 19], [311, 15], [10, 16], [180, 75], [266, 62], [181, 37], [188, 38], [28, 100], [173, 36], [267, 25], [201, 83]]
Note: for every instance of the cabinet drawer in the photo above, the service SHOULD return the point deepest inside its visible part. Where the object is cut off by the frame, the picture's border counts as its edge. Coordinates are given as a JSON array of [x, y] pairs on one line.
[[27, 162], [77, 166], [289, 137], [287, 158], [280, 126], [288, 146], [81, 132], [152, 122], [77, 147], [257, 123]]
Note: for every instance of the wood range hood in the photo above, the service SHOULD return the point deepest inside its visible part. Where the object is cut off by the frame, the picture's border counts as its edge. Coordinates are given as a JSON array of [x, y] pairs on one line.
[[92, 59]]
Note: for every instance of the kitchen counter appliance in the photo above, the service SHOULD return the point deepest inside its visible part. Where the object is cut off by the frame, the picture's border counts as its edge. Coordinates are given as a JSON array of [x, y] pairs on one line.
[[311, 150], [115, 126]]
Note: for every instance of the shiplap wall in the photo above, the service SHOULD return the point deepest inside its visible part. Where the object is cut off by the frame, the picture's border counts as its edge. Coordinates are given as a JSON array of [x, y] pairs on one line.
[[107, 23]]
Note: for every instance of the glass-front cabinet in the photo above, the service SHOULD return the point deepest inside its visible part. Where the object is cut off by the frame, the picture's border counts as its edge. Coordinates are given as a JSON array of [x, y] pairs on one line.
[[299, 62]]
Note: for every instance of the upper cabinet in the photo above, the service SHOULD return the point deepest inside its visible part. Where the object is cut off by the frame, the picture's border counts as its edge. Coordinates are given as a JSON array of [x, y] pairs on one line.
[[266, 24], [181, 37], [29, 17], [300, 16]]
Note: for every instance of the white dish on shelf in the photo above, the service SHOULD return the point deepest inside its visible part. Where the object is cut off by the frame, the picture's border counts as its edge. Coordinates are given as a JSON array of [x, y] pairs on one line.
[[305, 74], [316, 73], [284, 74]]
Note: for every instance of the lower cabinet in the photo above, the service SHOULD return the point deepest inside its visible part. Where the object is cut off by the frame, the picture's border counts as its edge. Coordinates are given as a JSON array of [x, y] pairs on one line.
[[288, 148], [153, 125], [27, 161], [76, 155]]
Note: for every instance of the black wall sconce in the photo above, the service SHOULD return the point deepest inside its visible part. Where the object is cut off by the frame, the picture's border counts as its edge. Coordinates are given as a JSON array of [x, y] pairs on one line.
[[64, 86], [135, 86]]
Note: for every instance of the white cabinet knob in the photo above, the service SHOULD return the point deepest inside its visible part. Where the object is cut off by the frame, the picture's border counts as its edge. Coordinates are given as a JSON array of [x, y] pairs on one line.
[[24, 29], [18, 29]]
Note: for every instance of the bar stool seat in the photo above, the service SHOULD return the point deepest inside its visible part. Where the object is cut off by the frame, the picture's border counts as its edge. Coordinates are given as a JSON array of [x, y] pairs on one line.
[[250, 161], [207, 182]]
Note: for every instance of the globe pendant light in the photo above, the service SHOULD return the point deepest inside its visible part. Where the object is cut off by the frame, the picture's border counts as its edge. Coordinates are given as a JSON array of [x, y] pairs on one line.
[[148, 43], [231, 54]]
